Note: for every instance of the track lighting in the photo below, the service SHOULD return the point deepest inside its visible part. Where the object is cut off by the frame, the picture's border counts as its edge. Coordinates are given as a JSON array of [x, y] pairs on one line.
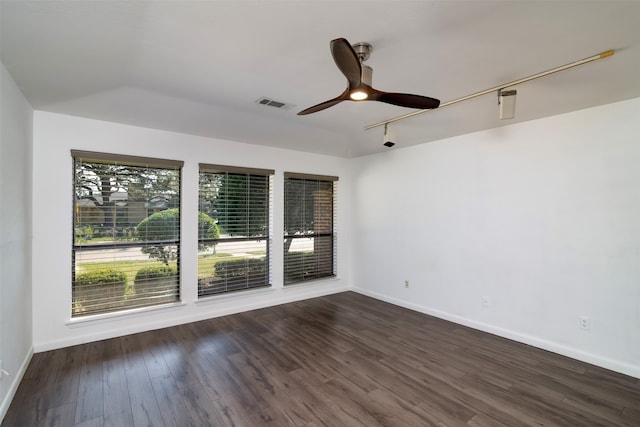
[[602, 55], [506, 104], [388, 136]]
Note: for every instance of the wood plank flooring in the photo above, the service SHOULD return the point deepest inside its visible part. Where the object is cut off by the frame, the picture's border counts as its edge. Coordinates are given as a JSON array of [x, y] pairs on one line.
[[340, 360]]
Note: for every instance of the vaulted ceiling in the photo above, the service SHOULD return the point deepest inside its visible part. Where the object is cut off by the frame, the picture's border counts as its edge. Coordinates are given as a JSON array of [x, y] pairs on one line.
[[199, 66]]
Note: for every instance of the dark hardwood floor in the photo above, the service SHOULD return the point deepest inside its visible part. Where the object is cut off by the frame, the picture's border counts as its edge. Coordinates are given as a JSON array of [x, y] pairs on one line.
[[340, 360]]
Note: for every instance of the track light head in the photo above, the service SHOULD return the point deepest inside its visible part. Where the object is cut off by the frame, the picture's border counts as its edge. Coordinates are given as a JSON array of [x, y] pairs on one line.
[[388, 136], [506, 104]]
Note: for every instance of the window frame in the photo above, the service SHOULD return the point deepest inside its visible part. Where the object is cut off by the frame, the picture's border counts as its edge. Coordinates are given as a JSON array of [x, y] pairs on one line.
[[230, 285], [318, 258], [157, 291]]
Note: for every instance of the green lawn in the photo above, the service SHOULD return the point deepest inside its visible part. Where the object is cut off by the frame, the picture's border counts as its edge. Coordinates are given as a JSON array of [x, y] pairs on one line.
[[105, 239], [206, 265]]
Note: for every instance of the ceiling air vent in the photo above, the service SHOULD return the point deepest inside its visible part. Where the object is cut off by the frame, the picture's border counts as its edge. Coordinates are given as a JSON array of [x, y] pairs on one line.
[[275, 104]]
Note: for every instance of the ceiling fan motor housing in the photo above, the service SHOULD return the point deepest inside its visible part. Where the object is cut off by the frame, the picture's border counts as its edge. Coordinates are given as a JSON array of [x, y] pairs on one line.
[[363, 50]]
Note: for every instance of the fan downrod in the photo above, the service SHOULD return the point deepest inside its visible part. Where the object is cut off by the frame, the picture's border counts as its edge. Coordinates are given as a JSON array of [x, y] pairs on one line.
[[363, 50]]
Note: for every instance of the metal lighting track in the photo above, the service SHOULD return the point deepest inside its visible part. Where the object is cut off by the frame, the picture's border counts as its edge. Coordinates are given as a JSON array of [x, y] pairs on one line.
[[496, 88]]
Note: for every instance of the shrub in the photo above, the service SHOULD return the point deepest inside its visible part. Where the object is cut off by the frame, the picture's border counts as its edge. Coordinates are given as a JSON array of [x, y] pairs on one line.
[[83, 233], [158, 281], [165, 225], [101, 277], [99, 290], [207, 227], [155, 272], [252, 267]]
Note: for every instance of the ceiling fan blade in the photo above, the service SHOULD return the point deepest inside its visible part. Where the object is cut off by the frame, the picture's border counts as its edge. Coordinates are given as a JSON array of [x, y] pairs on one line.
[[347, 61], [406, 100], [326, 104]]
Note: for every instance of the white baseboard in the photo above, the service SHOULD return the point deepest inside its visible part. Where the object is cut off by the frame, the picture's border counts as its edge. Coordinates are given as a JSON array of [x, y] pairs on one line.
[[15, 383], [574, 353]]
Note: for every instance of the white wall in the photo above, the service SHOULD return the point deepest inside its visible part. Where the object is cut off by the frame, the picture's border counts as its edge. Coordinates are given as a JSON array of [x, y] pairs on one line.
[[55, 135], [15, 236], [542, 217]]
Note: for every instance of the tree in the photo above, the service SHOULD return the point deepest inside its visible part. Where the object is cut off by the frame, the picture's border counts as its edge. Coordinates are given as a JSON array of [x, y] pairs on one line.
[[207, 229], [302, 200], [98, 183], [208, 193], [162, 233], [242, 204], [109, 185]]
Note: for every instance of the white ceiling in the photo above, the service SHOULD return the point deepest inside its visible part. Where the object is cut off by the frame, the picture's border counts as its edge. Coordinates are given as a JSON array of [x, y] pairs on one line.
[[198, 67]]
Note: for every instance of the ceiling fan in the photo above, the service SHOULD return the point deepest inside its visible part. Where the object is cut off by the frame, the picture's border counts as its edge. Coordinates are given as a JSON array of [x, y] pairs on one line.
[[349, 61]]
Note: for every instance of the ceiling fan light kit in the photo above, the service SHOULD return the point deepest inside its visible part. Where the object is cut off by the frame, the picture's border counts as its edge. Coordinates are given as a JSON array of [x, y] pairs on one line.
[[358, 95]]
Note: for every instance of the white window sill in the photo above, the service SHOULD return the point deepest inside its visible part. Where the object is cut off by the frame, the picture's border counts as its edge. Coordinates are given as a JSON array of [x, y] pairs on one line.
[[77, 321], [314, 282], [234, 295]]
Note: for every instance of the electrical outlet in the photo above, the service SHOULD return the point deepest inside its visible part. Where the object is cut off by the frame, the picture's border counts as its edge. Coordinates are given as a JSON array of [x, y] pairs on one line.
[[406, 283], [486, 302], [585, 323]]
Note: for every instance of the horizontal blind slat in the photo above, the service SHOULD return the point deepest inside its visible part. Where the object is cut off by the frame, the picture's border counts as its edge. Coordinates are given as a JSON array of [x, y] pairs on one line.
[[97, 157], [209, 168], [310, 177]]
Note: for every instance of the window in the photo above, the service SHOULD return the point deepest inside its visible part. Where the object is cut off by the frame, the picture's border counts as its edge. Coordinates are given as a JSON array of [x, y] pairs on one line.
[[309, 234], [233, 229], [126, 242]]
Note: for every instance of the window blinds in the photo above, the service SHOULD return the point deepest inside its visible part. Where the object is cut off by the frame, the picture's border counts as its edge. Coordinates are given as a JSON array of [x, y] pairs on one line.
[[126, 243], [309, 227], [235, 254]]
